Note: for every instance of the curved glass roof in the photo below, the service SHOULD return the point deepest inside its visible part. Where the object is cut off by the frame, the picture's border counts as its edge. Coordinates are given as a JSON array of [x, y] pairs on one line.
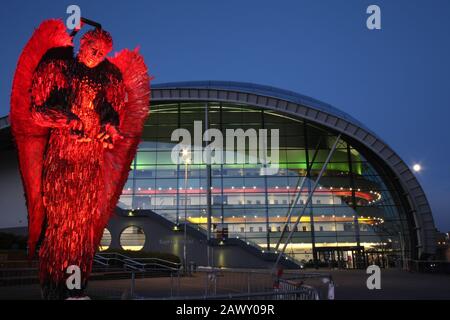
[[262, 90]]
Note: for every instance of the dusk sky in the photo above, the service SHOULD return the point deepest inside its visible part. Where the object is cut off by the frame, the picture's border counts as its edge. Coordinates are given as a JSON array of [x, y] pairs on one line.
[[394, 80]]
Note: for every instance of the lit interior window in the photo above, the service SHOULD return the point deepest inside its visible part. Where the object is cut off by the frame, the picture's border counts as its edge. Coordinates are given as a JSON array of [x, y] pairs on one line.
[[132, 238], [106, 240]]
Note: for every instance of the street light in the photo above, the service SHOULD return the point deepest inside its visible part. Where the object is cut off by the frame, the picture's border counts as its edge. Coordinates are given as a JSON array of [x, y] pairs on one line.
[[186, 156], [417, 167]]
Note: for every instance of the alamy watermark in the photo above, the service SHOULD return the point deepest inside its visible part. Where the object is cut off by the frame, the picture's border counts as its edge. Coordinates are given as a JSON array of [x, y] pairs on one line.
[[373, 282], [373, 22], [238, 146], [74, 280], [73, 21]]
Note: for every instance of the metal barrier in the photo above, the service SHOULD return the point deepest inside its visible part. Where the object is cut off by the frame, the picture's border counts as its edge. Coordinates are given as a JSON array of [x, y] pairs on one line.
[[206, 283], [298, 294], [214, 283], [135, 264], [320, 289]]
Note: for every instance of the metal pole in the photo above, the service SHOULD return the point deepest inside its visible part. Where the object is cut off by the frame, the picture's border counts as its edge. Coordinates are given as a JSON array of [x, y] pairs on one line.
[[324, 167], [248, 283], [359, 259], [206, 274], [178, 170], [402, 250], [208, 194], [266, 197], [171, 284], [299, 187], [132, 285], [289, 215], [185, 216], [178, 283], [308, 177]]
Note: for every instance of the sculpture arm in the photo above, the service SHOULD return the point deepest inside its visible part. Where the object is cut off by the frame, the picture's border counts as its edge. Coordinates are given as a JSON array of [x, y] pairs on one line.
[[49, 97]]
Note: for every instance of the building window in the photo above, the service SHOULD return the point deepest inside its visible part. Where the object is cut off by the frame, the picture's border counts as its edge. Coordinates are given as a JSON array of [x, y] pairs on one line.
[[132, 238], [251, 229], [304, 228], [260, 229], [321, 228], [242, 230]]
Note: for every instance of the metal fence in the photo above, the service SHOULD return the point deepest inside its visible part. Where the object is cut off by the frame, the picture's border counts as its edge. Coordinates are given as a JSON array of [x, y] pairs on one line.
[[204, 283], [215, 283]]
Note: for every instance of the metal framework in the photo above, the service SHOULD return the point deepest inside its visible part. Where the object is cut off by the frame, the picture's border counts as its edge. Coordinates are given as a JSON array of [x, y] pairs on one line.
[[304, 107], [308, 200]]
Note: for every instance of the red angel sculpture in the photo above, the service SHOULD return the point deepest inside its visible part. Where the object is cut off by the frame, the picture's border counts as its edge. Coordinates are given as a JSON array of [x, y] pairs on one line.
[[77, 122]]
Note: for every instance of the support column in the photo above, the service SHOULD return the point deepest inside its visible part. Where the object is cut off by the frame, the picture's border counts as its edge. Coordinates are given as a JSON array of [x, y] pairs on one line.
[[178, 171], [308, 200]]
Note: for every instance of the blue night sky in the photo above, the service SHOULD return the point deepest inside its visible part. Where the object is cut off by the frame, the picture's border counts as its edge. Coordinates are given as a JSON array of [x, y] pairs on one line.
[[394, 80]]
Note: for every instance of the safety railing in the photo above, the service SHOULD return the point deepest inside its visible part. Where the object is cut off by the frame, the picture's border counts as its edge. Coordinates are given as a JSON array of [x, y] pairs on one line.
[[216, 283], [321, 285], [205, 283], [135, 264]]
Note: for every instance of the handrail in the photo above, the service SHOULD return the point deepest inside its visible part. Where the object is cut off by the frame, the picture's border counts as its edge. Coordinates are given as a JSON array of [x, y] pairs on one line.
[[135, 263], [144, 265], [159, 259], [101, 262]]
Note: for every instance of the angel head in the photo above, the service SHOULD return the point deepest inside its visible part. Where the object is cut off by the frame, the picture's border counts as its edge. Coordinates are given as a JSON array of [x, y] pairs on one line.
[[94, 46]]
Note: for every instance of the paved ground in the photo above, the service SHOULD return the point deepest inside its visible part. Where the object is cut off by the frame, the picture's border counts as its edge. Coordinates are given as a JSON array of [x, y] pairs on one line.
[[350, 284], [395, 284]]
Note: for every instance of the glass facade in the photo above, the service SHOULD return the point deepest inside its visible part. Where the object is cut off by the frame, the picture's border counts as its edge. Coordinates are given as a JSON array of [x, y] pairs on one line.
[[354, 213]]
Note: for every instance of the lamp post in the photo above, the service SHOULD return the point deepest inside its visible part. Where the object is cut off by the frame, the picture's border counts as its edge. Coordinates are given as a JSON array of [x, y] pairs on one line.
[[186, 156], [402, 248]]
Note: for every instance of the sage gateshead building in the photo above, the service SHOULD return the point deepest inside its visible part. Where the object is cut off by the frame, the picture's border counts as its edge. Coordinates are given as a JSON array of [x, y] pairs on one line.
[[340, 195]]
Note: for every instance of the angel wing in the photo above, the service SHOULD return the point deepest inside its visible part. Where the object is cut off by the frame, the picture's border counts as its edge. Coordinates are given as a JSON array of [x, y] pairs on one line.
[[132, 117], [31, 141]]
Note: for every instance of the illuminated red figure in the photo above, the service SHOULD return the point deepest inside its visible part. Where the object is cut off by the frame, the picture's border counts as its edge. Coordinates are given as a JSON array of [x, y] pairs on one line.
[[77, 121]]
